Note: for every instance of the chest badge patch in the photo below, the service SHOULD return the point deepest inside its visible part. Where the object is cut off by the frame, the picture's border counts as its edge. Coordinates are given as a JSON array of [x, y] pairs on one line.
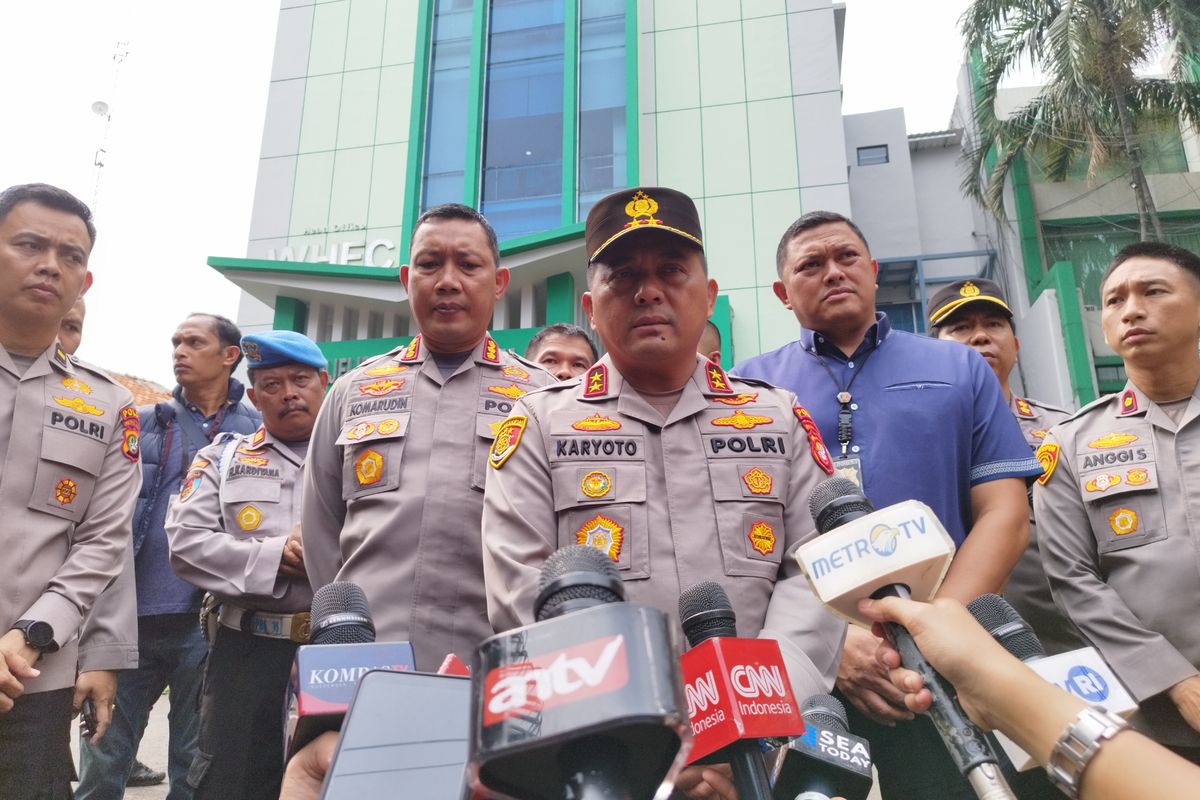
[[387, 369], [762, 537], [79, 405], [368, 468], [1047, 456], [1110, 440], [742, 421], [1123, 521], [382, 387], [1023, 407], [249, 518], [1103, 482], [1128, 402], [515, 372], [603, 534], [595, 383], [596, 483], [758, 481], [738, 399], [388, 426], [512, 391], [596, 422], [65, 491], [1039, 434], [360, 430], [506, 441], [254, 461], [76, 385], [1137, 476]]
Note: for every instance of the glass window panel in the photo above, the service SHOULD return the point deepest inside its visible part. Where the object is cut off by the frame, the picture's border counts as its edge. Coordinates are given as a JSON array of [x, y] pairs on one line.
[[446, 131], [523, 119], [875, 154], [602, 150]]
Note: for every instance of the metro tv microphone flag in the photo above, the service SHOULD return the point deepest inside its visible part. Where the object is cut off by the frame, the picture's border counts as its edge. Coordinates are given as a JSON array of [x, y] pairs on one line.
[[737, 689], [586, 702], [899, 551], [826, 761], [1081, 672], [325, 672]]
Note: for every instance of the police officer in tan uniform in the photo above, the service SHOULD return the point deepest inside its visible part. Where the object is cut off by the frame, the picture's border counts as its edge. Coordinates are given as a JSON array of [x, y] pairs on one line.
[[976, 313], [71, 441], [235, 532], [394, 484], [1118, 504], [678, 471]]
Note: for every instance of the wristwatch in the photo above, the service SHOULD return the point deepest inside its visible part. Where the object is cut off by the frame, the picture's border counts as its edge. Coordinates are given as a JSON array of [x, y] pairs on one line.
[[1078, 744], [38, 635]]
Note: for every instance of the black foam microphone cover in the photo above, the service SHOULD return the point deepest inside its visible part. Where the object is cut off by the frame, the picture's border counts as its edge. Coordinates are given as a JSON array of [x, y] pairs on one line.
[[705, 612], [576, 577], [836, 501], [1001, 620], [340, 615]]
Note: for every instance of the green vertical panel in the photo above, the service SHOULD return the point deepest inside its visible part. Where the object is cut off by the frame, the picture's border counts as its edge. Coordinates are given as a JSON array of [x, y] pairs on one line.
[[473, 165], [416, 123], [290, 314], [570, 157], [722, 318], [1079, 363], [631, 94], [560, 298], [1027, 224]]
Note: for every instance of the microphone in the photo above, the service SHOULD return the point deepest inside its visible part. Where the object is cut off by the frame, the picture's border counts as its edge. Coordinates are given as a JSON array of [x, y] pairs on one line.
[[899, 551], [1082, 672], [737, 689], [586, 703], [827, 760], [325, 672]]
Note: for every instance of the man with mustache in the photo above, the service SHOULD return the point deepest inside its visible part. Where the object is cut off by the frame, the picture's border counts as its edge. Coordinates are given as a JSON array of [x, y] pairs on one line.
[[235, 533], [1118, 506], [907, 417]]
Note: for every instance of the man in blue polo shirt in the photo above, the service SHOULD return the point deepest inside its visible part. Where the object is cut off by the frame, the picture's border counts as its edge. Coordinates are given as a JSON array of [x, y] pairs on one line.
[[906, 417]]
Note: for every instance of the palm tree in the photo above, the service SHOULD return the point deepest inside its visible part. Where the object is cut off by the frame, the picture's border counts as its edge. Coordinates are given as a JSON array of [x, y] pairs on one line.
[[1092, 101]]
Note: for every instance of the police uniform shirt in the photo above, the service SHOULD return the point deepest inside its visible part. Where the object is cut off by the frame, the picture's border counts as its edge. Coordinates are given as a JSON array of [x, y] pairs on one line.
[[394, 490], [1118, 509], [719, 491], [70, 440], [237, 505], [1027, 588]]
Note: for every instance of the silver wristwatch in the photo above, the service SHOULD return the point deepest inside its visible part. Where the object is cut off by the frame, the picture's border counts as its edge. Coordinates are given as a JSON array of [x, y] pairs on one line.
[[1078, 744]]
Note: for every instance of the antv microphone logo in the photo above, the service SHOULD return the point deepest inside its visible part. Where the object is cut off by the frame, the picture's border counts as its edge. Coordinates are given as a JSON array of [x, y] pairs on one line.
[[556, 678]]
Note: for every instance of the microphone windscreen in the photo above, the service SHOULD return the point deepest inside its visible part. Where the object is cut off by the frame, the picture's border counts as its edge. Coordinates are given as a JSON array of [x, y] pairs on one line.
[[582, 560], [705, 612], [1001, 620], [836, 500], [340, 615], [825, 711]]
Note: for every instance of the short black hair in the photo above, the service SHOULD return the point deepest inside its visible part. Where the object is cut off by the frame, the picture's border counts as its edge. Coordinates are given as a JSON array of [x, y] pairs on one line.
[[49, 196], [813, 219], [459, 211], [227, 332], [560, 329], [1179, 256]]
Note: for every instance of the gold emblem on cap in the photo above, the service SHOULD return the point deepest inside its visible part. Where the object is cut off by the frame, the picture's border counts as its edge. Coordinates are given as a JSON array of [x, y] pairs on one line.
[[968, 290], [642, 205]]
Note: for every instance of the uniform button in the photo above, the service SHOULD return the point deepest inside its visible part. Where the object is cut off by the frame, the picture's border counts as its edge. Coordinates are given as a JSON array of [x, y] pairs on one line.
[[820, 339], [854, 449], [850, 364], [854, 406]]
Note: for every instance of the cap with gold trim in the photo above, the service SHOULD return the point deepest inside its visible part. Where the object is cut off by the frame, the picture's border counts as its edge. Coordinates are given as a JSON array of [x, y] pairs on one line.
[[642, 208], [954, 296]]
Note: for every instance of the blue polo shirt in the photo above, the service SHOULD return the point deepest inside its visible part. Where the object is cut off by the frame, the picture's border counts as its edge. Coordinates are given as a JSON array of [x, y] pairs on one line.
[[929, 418]]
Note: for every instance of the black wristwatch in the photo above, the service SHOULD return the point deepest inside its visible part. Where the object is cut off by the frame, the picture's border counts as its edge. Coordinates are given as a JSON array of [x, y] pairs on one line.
[[38, 635]]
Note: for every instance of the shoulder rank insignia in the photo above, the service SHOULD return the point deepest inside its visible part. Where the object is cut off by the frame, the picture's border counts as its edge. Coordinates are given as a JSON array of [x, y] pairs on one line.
[[602, 533], [387, 369], [595, 382], [507, 438], [512, 391], [762, 537], [742, 421], [76, 385], [491, 351], [1047, 456], [60, 356], [382, 387], [515, 372], [131, 433], [79, 405], [596, 422], [1023, 407], [816, 445], [257, 438], [717, 380], [414, 347], [1128, 402], [1111, 440], [737, 399]]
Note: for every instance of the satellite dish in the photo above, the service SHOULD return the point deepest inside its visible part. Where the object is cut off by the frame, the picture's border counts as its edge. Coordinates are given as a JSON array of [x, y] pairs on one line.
[[100, 108]]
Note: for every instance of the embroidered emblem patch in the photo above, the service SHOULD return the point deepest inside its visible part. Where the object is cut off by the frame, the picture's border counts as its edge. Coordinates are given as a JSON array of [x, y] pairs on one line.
[[381, 388], [512, 391], [254, 461], [388, 369], [1137, 476], [816, 445], [388, 426], [414, 347], [360, 430], [603, 534], [595, 383], [79, 405], [1123, 521], [76, 385], [1128, 402], [596, 422], [717, 381], [1047, 456], [742, 421], [506, 441], [131, 433], [968, 290], [596, 484], [758, 481], [1110, 440], [1103, 482], [515, 373], [762, 537], [368, 468], [251, 350], [1039, 434], [1023, 407], [642, 206], [737, 399], [65, 491], [249, 518], [491, 351], [190, 484]]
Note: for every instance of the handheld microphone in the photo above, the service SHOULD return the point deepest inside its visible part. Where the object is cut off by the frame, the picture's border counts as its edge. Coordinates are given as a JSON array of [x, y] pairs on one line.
[[325, 672], [586, 703], [1082, 672], [827, 760], [737, 689], [895, 552]]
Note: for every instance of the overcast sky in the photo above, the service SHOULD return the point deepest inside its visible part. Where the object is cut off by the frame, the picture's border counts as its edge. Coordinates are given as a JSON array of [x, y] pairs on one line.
[[187, 103]]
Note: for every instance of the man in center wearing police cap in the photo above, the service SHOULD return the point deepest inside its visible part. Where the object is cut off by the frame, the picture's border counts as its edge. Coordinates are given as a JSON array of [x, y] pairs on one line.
[[657, 457], [235, 533]]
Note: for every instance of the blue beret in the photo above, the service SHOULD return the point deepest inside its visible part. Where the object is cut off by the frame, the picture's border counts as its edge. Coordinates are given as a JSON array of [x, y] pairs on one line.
[[276, 348]]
